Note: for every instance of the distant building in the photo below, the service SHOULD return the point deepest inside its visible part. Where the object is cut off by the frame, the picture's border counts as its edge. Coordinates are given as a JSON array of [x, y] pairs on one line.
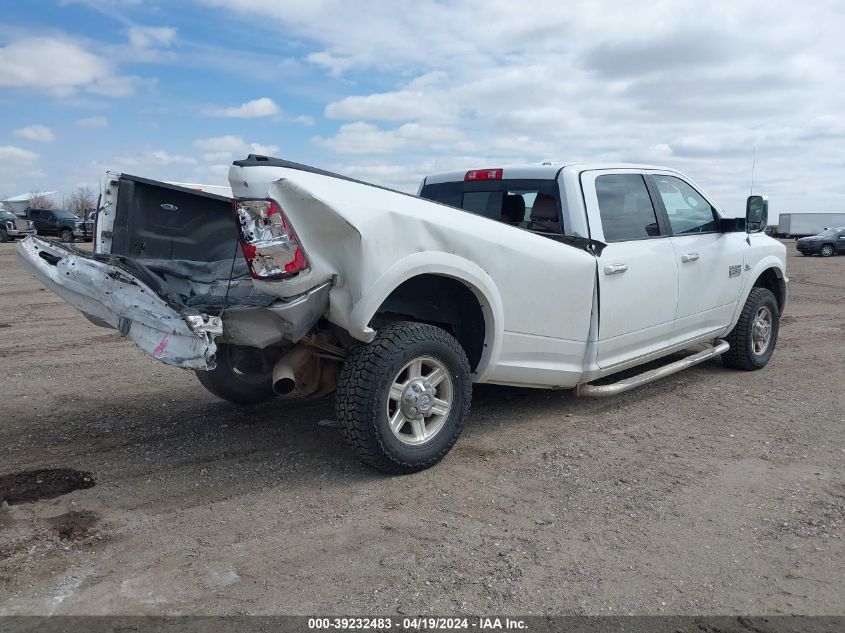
[[20, 203]]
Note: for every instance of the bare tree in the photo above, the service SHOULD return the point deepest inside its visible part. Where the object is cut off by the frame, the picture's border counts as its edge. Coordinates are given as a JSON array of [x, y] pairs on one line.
[[81, 201], [8, 206], [38, 200]]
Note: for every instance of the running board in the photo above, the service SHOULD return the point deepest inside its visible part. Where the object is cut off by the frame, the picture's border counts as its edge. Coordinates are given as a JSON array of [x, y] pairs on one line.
[[604, 391]]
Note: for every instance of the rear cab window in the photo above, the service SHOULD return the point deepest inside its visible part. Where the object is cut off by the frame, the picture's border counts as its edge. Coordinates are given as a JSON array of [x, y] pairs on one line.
[[532, 204]]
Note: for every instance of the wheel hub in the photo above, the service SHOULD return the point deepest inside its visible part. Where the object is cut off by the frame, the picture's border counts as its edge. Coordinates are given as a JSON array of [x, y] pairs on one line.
[[418, 399], [761, 330]]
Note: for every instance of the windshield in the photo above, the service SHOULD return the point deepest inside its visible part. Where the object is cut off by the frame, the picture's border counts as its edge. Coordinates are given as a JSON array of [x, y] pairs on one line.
[[828, 233], [532, 204]]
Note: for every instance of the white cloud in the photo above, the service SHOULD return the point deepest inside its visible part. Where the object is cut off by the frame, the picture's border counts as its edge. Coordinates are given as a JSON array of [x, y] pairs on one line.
[[11, 154], [264, 150], [150, 43], [585, 81], [402, 105], [334, 64], [304, 119], [143, 37], [158, 157], [250, 110], [365, 138], [36, 133], [229, 143], [93, 122], [222, 148], [59, 66], [18, 170]]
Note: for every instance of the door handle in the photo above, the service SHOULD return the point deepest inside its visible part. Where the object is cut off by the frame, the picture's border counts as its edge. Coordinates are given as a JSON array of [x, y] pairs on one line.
[[615, 269], [689, 257]]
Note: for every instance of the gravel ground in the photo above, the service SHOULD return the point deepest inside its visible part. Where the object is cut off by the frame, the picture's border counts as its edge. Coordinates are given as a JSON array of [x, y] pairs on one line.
[[713, 491]]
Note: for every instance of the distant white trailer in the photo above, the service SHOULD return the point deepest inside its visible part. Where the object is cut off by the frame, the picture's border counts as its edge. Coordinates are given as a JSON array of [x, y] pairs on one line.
[[803, 224]]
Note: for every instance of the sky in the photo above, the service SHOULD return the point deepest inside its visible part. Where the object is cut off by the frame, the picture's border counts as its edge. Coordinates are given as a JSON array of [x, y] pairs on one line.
[[389, 91]]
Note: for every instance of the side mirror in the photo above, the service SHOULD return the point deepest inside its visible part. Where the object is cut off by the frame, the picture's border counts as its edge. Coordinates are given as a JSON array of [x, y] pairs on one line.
[[756, 213]]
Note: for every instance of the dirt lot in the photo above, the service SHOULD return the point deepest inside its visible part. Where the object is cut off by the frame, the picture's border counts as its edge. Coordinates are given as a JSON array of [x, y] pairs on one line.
[[714, 491]]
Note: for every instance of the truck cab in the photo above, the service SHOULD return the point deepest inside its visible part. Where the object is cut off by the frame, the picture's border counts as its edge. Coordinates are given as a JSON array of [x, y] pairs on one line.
[[662, 238]]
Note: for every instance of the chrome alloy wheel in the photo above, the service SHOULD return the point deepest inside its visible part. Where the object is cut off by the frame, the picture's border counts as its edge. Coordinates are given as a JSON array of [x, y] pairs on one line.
[[761, 330], [420, 400]]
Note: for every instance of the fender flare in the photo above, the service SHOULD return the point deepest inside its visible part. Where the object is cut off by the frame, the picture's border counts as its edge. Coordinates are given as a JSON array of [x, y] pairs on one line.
[[446, 265], [770, 261]]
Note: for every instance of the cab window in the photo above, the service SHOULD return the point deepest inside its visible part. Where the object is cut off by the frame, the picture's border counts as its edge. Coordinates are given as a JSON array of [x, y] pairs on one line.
[[625, 206], [687, 209], [531, 204]]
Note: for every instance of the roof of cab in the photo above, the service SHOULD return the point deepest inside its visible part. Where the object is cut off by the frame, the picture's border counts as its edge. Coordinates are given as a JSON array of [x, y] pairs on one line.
[[538, 172]]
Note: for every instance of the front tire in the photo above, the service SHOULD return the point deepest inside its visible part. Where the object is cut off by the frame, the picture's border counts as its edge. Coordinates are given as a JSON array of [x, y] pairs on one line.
[[232, 379], [827, 250], [755, 335], [66, 236], [4, 236], [403, 400]]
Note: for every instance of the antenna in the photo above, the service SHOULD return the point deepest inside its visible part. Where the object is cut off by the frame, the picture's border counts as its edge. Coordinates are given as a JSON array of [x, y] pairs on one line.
[[753, 164]]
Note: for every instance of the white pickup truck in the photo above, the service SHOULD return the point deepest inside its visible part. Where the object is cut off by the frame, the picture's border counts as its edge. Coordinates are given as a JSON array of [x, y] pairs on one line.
[[309, 282]]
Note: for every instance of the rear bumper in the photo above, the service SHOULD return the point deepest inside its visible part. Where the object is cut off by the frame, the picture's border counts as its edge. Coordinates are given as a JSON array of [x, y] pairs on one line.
[[20, 233], [111, 296]]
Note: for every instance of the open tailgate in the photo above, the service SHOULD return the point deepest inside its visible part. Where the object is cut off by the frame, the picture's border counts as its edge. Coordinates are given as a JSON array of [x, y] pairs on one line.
[[111, 295]]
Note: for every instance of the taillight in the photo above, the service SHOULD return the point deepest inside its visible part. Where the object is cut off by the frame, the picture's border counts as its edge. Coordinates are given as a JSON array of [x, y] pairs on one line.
[[483, 174], [267, 240]]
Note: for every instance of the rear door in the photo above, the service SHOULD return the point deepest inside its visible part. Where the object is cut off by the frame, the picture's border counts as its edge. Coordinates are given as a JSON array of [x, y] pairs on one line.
[[637, 271], [709, 262]]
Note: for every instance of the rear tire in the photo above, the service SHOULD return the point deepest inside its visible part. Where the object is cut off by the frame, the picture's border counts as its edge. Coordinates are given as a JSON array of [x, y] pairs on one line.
[[403, 400], [755, 335], [227, 382], [4, 236], [66, 236], [827, 250]]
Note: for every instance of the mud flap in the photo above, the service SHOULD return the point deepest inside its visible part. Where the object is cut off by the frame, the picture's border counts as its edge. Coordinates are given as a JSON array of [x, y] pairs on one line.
[[112, 297]]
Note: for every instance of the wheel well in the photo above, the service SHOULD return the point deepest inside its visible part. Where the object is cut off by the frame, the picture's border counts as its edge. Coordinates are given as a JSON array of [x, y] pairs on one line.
[[772, 279], [441, 301]]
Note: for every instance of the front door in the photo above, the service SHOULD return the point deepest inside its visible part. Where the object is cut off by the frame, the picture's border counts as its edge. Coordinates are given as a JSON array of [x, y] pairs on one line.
[[709, 261], [637, 271]]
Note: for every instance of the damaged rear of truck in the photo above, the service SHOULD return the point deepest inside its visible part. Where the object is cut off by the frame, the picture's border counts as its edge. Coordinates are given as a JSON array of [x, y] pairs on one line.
[[308, 282]]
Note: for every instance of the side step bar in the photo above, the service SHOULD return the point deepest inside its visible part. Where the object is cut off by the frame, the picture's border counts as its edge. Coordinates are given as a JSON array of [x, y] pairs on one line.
[[604, 391]]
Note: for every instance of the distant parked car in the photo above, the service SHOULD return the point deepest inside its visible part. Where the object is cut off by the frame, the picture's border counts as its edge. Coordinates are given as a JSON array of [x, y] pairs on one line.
[[11, 226], [827, 243], [58, 222]]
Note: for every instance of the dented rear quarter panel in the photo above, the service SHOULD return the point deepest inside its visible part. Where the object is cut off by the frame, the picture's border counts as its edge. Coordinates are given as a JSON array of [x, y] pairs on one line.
[[536, 293]]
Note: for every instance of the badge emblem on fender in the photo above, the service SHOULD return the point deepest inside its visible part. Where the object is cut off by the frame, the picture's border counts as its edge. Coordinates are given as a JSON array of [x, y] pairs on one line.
[[734, 271], [169, 207]]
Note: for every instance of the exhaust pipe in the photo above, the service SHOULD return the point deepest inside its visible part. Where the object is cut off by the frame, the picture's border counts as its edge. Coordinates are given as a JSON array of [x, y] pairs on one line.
[[289, 366]]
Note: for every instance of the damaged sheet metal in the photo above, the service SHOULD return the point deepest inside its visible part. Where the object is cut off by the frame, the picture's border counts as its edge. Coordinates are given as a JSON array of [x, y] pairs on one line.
[[113, 297]]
